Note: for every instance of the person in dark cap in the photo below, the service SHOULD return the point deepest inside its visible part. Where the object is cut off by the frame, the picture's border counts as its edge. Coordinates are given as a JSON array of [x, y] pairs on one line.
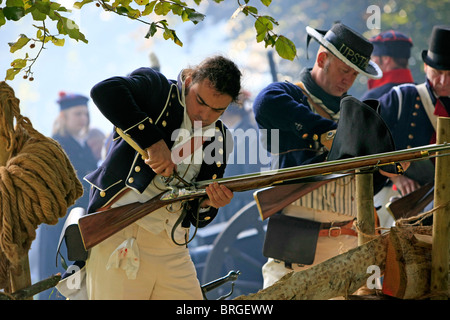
[[411, 111], [391, 51], [302, 118], [70, 130]]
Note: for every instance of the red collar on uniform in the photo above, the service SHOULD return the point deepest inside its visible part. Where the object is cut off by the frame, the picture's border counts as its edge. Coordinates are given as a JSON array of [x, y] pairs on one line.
[[393, 76]]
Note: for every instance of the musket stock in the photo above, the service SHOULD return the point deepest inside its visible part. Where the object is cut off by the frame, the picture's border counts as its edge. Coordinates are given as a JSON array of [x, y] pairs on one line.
[[99, 226]]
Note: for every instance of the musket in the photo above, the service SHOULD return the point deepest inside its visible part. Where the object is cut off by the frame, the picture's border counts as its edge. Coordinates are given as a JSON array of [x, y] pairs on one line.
[[96, 227]]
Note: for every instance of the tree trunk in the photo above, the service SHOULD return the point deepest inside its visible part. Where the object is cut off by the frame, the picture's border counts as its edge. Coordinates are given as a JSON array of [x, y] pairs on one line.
[[338, 276], [403, 255], [408, 263]]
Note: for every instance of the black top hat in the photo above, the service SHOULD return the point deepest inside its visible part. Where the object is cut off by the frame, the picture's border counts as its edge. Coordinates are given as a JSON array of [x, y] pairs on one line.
[[438, 54], [392, 44], [349, 46]]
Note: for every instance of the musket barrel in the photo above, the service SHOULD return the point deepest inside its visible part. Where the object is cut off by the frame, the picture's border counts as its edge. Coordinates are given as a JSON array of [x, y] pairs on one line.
[[279, 176], [115, 219]]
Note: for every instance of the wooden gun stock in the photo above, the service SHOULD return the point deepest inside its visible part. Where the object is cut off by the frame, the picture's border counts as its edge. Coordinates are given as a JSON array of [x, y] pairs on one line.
[[411, 204], [98, 226], [273, 199]]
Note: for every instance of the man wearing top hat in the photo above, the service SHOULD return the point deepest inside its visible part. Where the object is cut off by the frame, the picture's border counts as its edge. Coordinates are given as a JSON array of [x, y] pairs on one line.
[[306, 115], [391, 51], [411, 111]]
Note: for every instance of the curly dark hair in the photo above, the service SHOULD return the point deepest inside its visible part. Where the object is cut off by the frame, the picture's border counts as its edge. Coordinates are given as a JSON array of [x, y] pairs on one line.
[[223, 74]]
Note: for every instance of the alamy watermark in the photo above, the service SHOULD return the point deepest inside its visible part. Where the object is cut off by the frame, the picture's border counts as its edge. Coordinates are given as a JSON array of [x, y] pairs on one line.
[[374, 19], [237, 146], [374, 280]]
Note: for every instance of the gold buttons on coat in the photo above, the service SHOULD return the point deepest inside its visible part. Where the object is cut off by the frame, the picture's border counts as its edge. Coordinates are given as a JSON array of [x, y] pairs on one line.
[[417, 106], [141, 126], [413, 124], [214, 176], [137, 168], [410, 136], [315, 137], [102, 194], [305, 136], [164, 123], [218, 163], [150, 120], [131, 180], [207, 218]]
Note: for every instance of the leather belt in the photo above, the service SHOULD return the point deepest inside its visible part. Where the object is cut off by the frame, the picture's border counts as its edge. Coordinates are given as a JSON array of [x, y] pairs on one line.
[[336, 229]]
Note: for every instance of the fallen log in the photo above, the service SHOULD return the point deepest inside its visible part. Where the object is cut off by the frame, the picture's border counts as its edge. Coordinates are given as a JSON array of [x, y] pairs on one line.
[[339, 276], [403, 255], [408, 263]]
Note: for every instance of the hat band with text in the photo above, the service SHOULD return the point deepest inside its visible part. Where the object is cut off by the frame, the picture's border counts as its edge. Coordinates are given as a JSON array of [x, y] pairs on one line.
[[358, 59]]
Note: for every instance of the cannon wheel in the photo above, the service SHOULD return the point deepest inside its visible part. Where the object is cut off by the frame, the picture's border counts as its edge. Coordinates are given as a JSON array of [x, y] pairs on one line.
[[238, 247]]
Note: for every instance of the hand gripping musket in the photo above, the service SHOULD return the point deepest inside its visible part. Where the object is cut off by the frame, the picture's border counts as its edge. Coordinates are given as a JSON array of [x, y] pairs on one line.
[[99, 226]]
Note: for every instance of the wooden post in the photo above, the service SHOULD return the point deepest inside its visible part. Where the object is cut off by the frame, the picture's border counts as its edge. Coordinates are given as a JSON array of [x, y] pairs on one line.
[[441, 218], [365, 207], [21, 278]]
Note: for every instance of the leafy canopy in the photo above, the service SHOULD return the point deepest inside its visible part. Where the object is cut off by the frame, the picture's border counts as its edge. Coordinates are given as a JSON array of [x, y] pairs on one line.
[[48, 15]]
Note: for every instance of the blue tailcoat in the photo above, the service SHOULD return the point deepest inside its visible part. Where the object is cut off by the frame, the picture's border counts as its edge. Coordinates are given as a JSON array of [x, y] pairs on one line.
[[146, 106], [283, 106], [408, 122]]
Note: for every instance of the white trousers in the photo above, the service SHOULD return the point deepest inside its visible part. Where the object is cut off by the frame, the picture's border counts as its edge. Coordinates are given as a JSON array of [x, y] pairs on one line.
[[165, 270]]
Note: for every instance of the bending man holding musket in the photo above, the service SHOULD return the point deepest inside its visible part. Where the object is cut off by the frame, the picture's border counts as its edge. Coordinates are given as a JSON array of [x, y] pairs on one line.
[[319, 225], [149, 259]]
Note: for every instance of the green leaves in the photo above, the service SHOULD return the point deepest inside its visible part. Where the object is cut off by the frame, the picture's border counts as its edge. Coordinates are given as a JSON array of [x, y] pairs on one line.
[[41, 11], [22, 41], [264, 26], [55, 15], [285, 48], [16, 66]]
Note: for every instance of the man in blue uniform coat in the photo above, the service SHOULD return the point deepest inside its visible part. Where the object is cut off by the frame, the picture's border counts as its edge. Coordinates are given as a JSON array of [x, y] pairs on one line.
[[149, 259], [391, 51], [302, 117], [411, 111]]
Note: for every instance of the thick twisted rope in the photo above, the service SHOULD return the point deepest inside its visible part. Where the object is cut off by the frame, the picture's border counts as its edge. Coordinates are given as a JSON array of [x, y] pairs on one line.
[[37, 184]]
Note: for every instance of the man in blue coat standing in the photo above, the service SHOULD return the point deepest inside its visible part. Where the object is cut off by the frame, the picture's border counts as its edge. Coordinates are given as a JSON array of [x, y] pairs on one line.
[[302, 117], [411, 111], [391, 51]]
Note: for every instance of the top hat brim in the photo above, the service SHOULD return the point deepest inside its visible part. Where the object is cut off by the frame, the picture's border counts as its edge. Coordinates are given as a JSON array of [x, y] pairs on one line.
[[434, 64], [372, 70]]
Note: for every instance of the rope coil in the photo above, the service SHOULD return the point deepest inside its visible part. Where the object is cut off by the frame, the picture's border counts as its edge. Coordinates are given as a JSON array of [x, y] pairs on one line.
[[37, 183]]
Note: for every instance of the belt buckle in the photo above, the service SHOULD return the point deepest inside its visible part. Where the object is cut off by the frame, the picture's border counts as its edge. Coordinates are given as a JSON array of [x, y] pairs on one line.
[[334, 228]]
